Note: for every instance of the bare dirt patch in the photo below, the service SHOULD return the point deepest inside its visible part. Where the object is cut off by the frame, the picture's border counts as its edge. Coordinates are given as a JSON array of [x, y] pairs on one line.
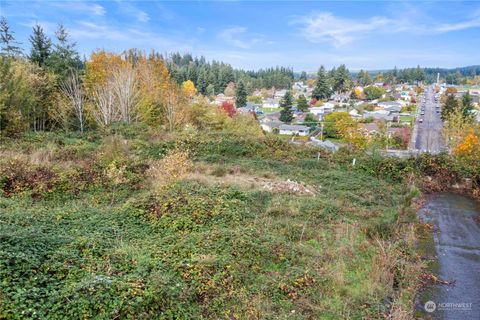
[[235, 176]]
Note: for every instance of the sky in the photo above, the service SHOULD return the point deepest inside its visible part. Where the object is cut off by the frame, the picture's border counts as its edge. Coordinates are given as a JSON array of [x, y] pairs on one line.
[[258, 34]]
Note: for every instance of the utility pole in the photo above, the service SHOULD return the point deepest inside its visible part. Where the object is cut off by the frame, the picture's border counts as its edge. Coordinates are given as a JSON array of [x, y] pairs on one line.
[[321, 131]]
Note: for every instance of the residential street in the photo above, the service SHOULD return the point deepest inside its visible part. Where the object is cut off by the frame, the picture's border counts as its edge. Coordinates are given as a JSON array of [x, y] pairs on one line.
[[429, 138]]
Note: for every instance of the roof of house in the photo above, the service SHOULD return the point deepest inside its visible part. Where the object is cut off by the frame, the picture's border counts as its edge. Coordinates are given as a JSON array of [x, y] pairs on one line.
[[290, 127], [273, 124]]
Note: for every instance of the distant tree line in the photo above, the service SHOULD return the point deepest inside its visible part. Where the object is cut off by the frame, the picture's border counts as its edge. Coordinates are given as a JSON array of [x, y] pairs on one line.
[[213, 77]]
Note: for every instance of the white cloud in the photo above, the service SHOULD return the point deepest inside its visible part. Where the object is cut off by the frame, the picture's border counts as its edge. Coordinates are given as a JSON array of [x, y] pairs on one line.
[[119, 38], [130, 9], [48, 27], [230, 36], [448, 27], [238, 37], [142, 16], [76, 6], [325, 27], [338, 31]]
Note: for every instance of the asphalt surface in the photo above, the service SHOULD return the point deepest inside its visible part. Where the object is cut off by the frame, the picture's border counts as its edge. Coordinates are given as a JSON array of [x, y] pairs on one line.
[[429, 131], [457, 248]]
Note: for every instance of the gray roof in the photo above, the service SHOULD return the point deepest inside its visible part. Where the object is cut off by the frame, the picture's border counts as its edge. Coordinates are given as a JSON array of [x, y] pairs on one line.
[[273, 124], [291, 127]]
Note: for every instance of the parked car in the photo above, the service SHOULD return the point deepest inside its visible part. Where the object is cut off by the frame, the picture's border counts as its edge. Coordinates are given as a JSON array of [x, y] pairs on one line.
[[420, 120]]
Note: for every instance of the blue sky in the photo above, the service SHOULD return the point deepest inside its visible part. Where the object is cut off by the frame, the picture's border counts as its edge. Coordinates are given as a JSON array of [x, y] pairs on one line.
[[254, 34]]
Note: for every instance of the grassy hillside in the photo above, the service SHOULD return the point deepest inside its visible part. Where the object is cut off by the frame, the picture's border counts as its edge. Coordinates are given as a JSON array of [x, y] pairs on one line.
[[99, 226]]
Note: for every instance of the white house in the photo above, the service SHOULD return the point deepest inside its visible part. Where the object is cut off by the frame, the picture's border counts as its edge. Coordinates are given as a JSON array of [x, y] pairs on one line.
[[324, 109], [270, 103], [354, 114], [280, 93], [294, 129], [270, 126]]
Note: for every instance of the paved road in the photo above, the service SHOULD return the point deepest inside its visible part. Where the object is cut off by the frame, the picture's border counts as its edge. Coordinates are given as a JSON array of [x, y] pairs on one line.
[[429, 137], [457, 248]]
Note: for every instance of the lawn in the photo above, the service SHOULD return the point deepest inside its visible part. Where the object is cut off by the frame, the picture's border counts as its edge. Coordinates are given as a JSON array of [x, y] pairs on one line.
[[270, 110], [86, 233]]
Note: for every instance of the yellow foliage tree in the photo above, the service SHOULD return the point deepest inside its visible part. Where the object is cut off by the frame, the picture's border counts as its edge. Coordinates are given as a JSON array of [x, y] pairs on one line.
[[469, 148], [188, 88], [154, 81]]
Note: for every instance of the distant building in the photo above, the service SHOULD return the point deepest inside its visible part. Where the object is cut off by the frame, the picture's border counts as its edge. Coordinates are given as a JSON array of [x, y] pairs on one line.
[[279, 94], [270, 126], [378, 115], [294, 130], [322, 110], [271, 103]]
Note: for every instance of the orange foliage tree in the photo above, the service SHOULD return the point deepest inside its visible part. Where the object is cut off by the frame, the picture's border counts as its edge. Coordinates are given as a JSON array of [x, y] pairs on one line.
[[468, 149]]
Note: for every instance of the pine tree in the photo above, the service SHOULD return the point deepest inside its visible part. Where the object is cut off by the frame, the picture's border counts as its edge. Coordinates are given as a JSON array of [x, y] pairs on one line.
[[302, 104], [322, 87], [10, 47], [64, 58], [364, 78], [241, 95], [202, 81], [341, 79], [41, 46], [210, 90], [449, 106], [286, 115], [467, 107], [303, 76]]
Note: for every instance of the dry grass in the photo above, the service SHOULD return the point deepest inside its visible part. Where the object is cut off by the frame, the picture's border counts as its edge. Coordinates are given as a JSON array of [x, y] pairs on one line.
[[167, 171]]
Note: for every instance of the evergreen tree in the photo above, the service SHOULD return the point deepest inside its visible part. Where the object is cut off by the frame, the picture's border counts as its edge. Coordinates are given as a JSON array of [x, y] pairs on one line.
[[286, 115], [41, 46], [10, 47], [202, 81], [449, 106], [341, 79], [467, 106], [303, 76], [240, 95], [210, 90], [302, 104], [64, 57], [322, 87], [364, 78]]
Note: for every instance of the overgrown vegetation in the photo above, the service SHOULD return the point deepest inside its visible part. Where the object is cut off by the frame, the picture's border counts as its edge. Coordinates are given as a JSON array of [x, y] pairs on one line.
[[89, 229]]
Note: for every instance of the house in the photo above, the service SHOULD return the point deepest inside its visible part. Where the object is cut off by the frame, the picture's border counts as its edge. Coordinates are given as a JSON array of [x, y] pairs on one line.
[[250, 108], [405, 95], [378, 115], [279, 94], [394, 105], [326, 108], [221, 98], [271, 126], [354, 114], [300, 87], [373, 128], [294, 130], [270, 103]]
